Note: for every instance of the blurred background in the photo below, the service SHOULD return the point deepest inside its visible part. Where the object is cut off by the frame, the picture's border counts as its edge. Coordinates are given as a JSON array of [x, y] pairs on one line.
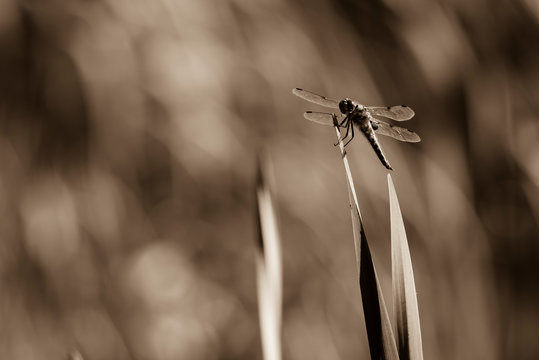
[[129, 131]]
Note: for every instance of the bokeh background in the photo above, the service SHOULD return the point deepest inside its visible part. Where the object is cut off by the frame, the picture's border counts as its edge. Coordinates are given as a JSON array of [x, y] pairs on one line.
[[129, 132]]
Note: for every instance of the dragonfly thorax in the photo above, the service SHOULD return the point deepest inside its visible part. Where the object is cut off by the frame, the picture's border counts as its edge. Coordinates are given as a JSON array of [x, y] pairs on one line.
[[346, 106]]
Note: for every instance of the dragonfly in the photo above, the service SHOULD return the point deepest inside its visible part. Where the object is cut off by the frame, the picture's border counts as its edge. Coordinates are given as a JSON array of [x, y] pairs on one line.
[[363, 117]]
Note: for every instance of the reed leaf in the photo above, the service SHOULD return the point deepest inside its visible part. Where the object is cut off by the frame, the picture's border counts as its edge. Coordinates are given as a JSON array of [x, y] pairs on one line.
[[379, 331], [268, 266], [404, 292]]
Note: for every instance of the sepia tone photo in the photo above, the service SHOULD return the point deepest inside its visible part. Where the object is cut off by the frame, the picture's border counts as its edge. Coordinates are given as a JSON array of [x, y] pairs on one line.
[[269, 180]]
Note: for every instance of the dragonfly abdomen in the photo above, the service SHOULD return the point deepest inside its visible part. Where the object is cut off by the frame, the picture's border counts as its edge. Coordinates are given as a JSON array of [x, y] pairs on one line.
[[368, 131]]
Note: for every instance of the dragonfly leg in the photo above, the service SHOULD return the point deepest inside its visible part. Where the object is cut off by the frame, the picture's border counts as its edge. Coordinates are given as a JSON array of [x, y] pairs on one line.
[[346, 134], [343, 121], [348, 126], [352, 126]]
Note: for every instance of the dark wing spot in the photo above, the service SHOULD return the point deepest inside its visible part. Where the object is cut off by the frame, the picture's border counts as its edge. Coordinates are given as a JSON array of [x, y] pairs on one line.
[[374, 125], [404, 106], [389, 107], [299, 89], [390, 125], [308, 112]]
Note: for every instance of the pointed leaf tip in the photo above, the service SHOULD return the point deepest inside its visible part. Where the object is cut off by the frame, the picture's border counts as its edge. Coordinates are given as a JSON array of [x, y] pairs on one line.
[[268, 264]]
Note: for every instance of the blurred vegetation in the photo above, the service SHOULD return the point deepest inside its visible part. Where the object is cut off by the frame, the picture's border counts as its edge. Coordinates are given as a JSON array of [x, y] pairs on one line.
[[127, 144]]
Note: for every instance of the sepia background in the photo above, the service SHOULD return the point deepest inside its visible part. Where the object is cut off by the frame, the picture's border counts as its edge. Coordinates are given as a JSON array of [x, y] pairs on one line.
[[128, 136]]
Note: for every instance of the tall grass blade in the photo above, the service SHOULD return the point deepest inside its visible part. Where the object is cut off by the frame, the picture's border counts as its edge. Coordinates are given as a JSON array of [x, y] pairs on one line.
[[404, 293], [268, 266], [379, 332]]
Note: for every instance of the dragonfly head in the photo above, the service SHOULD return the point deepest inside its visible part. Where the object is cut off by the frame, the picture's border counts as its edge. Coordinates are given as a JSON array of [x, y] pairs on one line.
[[346, 106]]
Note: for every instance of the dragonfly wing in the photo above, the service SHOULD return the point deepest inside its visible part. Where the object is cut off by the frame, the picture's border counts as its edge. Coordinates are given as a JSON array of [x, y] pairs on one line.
[[321, 117], [395, 132], [315, 98], [398, 112]]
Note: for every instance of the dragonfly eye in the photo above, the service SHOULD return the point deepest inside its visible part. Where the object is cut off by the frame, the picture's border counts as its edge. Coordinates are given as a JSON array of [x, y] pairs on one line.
[[342, 106], [346, 106]]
